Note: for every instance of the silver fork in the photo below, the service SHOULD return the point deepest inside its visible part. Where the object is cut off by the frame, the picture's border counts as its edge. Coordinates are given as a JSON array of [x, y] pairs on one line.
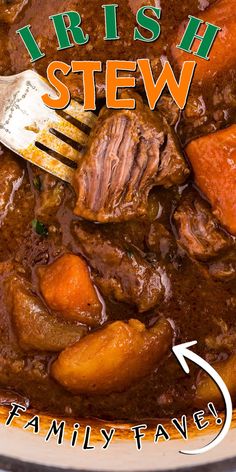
[[26, 123]]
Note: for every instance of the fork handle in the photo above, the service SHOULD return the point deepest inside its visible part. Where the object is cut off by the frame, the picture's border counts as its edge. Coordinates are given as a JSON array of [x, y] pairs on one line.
[[10, 85]]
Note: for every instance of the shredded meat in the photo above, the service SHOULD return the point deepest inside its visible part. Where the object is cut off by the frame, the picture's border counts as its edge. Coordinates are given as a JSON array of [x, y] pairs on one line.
[[198, 230], [129, 152], [120, 272]]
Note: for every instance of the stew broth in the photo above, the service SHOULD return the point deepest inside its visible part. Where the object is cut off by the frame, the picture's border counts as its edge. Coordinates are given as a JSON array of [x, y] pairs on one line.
[[197, 299]]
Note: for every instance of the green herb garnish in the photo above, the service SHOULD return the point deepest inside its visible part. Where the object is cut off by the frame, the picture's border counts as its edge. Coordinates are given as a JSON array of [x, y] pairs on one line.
[[39, 227], [129, 254], [37, 183]]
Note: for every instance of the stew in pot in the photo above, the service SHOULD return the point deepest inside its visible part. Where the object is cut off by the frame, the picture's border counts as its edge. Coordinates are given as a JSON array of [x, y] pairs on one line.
[[98, 280]]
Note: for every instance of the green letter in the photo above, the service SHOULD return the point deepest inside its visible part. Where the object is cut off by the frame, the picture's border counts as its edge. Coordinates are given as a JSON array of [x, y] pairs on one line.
[[74, 27], [110, 22], [207, 39], [148, 23], [30, 43]]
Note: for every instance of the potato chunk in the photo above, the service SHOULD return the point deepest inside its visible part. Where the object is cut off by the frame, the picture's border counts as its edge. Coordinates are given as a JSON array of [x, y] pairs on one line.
[[67, 287], [113, 358], [207, 391], [35, 327]]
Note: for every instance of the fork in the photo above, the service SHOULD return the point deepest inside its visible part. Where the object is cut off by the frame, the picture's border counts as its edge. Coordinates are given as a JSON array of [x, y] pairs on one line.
[[39, 134]]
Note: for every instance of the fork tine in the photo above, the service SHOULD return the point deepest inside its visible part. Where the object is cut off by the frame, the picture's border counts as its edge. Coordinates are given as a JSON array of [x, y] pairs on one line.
[[76, 110], [69, 130], [23, 126], [56, 144], [48, 163]]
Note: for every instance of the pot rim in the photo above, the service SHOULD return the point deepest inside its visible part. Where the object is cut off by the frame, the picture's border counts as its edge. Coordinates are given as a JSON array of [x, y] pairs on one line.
[[16, 465]]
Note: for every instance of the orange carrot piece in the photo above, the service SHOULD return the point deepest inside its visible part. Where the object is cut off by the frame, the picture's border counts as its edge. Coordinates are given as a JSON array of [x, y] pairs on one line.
[[67, 287], [213, 158], [222, 55]]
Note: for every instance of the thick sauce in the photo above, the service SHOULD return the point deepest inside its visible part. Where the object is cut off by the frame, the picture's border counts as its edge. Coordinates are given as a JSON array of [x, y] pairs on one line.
[[195, 302]]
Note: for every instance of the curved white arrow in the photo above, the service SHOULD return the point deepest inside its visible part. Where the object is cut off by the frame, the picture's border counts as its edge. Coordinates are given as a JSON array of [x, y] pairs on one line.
[[181, 351]]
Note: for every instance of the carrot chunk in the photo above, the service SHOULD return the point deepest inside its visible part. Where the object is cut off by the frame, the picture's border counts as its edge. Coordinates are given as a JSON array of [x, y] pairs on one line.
[[222, 55], [213, 158], [67, 287]]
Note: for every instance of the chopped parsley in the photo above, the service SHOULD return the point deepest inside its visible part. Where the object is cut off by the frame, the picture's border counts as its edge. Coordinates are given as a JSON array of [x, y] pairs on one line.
[[40, 227], [37, 183], [129, 254]]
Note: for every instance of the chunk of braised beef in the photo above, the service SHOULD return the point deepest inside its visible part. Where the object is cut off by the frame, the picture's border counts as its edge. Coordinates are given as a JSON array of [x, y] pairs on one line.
[[172, 169], [199, 232], [121, 272], [170, 110], [129, 152], [159, 240]]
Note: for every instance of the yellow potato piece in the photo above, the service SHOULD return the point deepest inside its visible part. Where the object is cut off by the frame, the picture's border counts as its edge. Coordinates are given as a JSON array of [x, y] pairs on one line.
[[35, 327], [113, 358], [207, 391]]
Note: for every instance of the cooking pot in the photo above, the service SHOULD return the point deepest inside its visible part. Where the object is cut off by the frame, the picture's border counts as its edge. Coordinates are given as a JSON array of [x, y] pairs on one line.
[[23, 450]]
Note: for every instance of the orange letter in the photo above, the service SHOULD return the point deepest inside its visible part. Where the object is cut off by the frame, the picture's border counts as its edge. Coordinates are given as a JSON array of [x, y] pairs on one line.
[[58, 103], [113, 82], [88, 68], [179, 91]]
